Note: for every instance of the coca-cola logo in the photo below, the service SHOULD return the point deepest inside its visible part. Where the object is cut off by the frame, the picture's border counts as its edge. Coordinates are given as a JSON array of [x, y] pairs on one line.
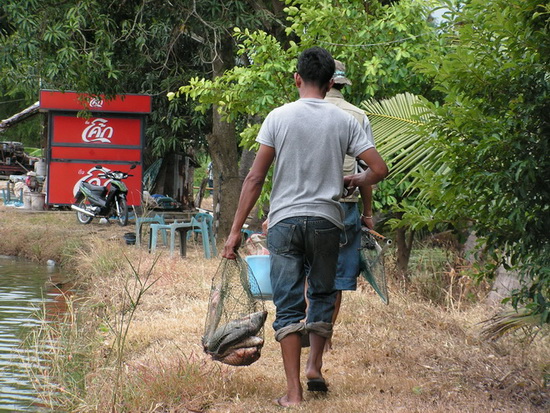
[[98, 131], [91, 176], [96, 103]]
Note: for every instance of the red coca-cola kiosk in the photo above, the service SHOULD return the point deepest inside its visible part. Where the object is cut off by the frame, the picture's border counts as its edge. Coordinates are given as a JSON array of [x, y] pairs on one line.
[[84, 132]]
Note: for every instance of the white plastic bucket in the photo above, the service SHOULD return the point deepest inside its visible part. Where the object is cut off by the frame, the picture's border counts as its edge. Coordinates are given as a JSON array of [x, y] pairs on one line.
[[37, 201], [26, 200], [259, 266]]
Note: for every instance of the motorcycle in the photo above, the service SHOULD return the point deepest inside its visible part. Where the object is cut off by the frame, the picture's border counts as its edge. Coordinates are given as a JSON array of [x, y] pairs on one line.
[[93, 201]]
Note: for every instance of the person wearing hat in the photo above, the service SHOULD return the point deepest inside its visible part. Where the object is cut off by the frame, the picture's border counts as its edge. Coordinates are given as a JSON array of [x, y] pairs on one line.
[[348, 258]]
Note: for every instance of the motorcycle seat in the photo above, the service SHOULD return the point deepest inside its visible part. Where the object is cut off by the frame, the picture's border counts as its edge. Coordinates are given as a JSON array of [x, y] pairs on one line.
[[94, 188]]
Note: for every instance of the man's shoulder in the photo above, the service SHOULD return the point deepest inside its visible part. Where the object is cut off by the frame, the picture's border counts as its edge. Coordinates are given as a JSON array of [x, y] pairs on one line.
[[290, 106], [357, 113], [302, 105], [335, 97], [343, 104]]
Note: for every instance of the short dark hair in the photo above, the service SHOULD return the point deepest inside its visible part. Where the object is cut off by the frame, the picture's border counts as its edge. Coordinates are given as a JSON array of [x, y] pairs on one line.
[[316, 65]]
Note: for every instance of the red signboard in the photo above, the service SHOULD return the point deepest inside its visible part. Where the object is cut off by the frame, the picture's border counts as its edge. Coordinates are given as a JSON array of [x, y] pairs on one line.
[[96, 130], [112, 137], [72, 101], [68, 176]]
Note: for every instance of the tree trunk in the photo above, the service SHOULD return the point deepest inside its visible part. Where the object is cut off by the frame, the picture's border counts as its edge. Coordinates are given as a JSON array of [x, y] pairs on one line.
[[404, 247], [247, 158], [222, 144], [187, 188], [200, 193]]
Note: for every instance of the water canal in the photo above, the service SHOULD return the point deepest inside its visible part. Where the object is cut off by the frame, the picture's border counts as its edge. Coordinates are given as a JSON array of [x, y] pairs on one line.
[[30, 297]]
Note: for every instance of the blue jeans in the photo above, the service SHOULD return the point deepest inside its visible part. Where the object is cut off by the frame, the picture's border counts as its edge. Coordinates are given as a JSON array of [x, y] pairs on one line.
[[350, 242], [303, 248]]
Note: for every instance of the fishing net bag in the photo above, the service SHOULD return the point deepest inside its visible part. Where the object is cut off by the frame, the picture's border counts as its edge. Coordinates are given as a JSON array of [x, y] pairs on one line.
[[373, 246], [234, 326]]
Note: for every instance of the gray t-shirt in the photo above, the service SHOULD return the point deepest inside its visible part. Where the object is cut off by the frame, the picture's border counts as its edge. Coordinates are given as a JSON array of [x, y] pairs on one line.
[[310, 137]]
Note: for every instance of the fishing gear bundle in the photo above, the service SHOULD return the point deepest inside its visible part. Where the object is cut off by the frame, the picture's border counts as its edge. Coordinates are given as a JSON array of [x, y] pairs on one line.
[[372, 261], [234, 332]]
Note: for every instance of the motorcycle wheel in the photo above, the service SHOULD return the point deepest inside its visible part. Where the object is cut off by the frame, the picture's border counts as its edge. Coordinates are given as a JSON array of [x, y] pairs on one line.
[[83, 218], [122, 212]]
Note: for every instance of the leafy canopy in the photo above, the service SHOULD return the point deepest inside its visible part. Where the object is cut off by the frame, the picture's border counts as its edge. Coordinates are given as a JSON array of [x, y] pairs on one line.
[[493, 133], [109, 47], [377, 57], [262, 81]]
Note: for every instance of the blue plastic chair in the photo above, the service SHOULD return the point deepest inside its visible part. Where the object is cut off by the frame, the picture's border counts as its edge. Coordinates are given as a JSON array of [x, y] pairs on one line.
[[6, 196], [179, 227], [202, 224], [157, 219], [12, 200]]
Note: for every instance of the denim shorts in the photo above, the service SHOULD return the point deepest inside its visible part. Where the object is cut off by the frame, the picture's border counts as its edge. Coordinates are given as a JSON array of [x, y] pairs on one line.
[[303, 248], [350, 242]]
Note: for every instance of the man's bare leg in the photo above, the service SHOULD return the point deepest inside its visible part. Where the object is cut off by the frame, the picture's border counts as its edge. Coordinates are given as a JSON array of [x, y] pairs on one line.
[[291, 348], [315, 360]]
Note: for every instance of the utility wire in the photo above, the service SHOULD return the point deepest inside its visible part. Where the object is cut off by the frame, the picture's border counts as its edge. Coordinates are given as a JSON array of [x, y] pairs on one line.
[[373, 44], [449, 27], [11, 101]]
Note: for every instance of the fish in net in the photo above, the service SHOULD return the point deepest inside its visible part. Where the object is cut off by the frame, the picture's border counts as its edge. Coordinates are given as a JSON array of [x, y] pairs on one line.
[[234, 327], [372, 261]]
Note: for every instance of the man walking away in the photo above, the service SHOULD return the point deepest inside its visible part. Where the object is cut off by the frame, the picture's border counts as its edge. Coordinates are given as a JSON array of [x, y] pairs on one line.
[[308, 140]]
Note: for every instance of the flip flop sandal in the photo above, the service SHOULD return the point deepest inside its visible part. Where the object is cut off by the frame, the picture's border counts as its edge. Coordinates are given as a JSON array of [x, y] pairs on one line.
[[317, 385]]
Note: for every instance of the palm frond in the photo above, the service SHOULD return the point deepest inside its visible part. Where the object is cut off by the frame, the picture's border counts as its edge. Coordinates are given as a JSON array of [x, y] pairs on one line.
[[397, 127], [508, 321]]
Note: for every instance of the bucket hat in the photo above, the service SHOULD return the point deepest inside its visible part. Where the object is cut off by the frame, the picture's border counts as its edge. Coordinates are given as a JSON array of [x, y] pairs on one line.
[[339, 76]]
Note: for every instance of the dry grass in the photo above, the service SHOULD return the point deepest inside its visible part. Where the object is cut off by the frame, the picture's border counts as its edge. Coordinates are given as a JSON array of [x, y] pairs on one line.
[[414, 355]]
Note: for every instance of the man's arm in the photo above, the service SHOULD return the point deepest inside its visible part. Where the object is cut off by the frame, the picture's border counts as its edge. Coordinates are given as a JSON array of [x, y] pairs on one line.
[[366, 192], [252, 187], [366, 197], [375, 173]]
